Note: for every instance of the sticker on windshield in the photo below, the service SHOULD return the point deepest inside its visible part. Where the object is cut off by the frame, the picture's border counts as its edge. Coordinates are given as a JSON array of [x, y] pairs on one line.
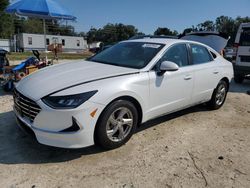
[[151, 46]]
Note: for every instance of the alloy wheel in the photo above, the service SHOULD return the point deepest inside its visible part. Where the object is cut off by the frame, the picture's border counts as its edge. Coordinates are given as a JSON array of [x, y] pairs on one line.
[[221, 94], [119, 124]]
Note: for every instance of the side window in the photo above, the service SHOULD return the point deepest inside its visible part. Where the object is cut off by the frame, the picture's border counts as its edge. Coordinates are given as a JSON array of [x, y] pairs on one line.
[[177, 54], [200, 54], [78, 43]]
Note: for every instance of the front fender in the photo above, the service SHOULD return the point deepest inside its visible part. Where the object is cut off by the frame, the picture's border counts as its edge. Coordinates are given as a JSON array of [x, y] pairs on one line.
[[135, 86]]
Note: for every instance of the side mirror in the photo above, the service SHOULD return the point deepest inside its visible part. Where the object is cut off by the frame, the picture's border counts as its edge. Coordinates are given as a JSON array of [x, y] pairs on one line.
[[167, 66]]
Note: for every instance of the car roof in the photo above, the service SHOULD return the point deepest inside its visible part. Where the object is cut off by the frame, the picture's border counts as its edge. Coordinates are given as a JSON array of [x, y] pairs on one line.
[[165, 41], [156, 40], [169, 42]]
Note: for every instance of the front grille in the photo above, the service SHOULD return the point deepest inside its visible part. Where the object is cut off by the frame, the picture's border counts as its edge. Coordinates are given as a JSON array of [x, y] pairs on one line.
[[25, 106], [245, 58]]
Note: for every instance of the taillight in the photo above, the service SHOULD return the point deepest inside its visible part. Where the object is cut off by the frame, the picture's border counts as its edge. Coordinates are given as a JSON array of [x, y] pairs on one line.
[[235, 46]]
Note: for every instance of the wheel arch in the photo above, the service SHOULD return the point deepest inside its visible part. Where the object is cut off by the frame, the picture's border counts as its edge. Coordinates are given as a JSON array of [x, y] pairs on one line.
[[137, 104], [125, 97], [227, 81]]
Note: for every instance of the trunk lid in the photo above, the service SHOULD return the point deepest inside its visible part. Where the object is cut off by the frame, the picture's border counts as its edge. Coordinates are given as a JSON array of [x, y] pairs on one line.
[[215, 40]]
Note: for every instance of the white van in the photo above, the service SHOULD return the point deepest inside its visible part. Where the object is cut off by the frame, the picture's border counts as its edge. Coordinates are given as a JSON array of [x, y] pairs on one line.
[[242, 44]]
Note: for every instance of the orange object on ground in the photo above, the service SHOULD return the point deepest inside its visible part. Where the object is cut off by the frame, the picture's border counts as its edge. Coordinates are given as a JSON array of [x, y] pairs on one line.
[[31, 69]]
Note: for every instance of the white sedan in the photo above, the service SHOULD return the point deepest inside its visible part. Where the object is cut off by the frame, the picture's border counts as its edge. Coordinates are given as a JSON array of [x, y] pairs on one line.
[[103, 99]]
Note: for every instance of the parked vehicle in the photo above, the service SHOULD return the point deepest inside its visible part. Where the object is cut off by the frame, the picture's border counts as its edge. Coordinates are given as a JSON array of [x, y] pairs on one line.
[[230, 53], [242, 45], [103, 99], [3, 59]]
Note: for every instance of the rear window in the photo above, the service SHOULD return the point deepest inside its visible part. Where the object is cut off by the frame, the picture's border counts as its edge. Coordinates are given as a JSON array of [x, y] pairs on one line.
[[245, 37], [200, 54]]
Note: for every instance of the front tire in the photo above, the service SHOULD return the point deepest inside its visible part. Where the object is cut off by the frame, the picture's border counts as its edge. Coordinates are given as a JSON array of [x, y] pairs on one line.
[[219, 95], [116, 124]]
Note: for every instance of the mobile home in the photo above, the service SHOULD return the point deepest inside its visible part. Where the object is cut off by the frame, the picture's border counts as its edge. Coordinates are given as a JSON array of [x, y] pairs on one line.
[[28, 42]]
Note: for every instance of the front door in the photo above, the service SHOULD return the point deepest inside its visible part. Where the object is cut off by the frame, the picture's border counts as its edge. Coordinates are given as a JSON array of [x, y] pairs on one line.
[[173, 90]]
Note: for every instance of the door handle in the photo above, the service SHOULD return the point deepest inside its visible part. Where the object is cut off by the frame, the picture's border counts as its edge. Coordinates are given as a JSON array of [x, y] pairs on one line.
[[188, 77], [216, 72]]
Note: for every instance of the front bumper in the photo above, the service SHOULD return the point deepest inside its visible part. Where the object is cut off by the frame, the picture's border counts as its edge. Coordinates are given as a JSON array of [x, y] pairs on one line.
[[49, 123]]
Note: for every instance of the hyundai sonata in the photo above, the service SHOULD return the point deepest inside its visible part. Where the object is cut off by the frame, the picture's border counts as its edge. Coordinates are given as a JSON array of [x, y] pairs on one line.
[[103, 99]]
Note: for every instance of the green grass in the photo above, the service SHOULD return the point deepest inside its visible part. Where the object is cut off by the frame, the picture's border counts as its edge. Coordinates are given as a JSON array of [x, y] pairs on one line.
[[16, 56]]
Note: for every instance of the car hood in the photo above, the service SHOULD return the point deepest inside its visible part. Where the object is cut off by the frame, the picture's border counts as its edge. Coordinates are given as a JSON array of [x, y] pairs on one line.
[[58, 77], [215, 40]]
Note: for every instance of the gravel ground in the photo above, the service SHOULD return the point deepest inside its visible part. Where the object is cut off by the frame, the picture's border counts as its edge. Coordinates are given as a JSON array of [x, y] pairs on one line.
[[192, 148]]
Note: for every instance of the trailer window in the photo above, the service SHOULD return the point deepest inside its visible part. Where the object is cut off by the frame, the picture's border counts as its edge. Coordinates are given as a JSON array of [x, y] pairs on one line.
[[47, 41], [63, 42], [30, 40], [78, 42], [245, 37]]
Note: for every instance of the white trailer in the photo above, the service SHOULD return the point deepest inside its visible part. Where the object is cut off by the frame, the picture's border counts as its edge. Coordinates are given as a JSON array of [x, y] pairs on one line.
[[5, 44], [28, 42]]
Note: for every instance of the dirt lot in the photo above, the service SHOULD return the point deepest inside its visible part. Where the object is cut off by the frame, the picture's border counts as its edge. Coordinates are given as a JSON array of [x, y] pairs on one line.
[[192, 148]]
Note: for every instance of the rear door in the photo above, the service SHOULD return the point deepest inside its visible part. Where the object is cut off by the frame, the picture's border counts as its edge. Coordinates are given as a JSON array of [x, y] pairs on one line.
[[206, 73], [243, 54]]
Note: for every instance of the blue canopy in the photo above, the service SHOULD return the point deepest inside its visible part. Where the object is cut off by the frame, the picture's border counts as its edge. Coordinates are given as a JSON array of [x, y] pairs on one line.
[[44, 9]]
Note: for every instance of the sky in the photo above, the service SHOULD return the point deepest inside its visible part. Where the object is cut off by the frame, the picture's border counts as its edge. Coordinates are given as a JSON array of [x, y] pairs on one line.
[[148, 15]]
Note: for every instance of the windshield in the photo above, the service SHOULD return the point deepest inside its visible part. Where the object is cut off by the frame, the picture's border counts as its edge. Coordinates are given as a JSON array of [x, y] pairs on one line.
[[128, 54], [245, 37]]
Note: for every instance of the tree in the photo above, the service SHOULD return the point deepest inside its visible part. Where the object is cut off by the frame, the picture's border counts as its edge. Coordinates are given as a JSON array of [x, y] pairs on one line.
[[6, 26], [81, 34], [3, 5], [32, 25], [165, 31], [228, 26], [92, 35], [111, 33], [206, 26], [223, 24], [240, 20]]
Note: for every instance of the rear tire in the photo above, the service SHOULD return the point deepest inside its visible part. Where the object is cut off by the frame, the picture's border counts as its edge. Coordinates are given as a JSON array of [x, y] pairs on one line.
[[116, 124], [238, 79], [219, 95]]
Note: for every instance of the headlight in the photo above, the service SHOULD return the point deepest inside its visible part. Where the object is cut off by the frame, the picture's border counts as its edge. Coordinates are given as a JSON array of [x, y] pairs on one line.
[[68, 101]]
